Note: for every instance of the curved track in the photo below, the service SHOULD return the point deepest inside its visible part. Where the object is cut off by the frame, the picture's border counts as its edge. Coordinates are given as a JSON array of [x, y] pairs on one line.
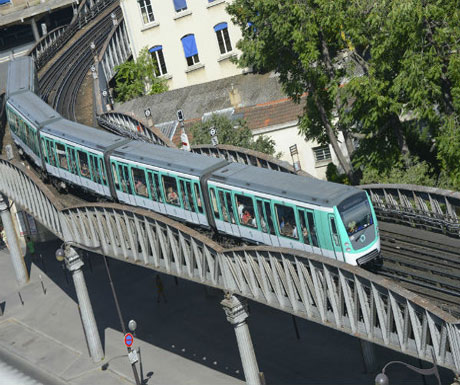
[[60, 84]]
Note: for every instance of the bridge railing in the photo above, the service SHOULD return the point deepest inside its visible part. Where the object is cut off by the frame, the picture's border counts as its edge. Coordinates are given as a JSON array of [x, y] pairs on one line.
[[426, 207], [246, 156], [51, 43], [323, 290], [125, 125]]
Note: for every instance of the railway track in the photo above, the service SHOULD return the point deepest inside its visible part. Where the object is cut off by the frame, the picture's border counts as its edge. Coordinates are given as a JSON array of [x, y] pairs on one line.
[[60, 84], [425, 267]]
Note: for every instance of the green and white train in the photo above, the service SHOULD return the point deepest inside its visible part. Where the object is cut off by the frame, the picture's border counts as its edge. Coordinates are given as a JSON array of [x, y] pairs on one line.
[[246, 202]]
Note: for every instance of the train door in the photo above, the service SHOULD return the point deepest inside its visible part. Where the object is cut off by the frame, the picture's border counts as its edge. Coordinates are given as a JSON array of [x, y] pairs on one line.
[[228, 212], [96, 173], [125, 194], [304, 230], [186, 195], [264, 215], [156, 203], [335, 239], [199, 203]]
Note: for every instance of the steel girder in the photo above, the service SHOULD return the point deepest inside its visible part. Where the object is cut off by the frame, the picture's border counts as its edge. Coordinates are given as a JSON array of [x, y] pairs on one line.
[[329, 292]]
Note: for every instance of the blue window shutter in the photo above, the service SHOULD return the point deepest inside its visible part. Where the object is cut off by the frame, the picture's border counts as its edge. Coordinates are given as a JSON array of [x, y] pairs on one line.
[[180, 4], [156, 48], [189, 44], [220, 26]]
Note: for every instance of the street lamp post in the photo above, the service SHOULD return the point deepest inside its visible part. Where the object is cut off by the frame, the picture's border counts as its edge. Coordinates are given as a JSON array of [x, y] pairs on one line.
[[382, 378]]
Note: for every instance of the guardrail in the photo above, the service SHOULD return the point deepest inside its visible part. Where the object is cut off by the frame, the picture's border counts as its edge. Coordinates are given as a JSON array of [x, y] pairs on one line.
[[125, 125], [332, 293], [51, 43], [426, 207], [246, 156]]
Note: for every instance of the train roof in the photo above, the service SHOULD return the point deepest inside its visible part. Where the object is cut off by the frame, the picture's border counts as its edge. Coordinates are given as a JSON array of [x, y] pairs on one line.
[[80, 134], [33, 108], [21, 75], [168, 158], [283, 185]]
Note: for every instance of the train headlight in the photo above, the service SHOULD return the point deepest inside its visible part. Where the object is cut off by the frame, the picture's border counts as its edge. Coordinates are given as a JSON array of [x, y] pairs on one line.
[[347, 244], [347, 249]]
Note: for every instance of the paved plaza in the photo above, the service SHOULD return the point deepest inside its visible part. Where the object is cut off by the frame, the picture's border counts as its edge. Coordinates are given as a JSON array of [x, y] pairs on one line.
[[184, 341]]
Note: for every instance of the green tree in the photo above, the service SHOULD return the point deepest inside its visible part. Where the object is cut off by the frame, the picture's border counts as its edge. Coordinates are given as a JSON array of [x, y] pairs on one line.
[[137, 78], [302, 41], [386, 72], [233, 132]]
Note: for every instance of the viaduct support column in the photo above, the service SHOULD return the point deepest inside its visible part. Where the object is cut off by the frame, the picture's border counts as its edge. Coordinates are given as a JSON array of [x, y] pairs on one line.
[[74, 263], [33, 23], [236, 313], [20, 269]]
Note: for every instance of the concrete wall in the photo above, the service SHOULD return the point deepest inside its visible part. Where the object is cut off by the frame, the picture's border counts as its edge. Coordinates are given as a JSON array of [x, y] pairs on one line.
[[168, 29]]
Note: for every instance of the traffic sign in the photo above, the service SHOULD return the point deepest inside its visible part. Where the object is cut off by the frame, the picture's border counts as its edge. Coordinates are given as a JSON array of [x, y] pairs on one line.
[[129, 339]]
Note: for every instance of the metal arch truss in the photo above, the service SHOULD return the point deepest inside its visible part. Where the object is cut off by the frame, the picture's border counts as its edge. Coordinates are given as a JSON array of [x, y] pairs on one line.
[[337, 295], [246, 156], [125, 125], [116, 50], [427, 207]]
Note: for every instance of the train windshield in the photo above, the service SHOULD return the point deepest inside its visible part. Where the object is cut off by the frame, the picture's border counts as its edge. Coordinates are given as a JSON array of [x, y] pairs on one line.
[[355, 213]]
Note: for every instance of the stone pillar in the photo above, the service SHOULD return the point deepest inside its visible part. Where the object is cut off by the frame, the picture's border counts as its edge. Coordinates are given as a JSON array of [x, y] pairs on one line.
[[368, 352], [17, 259], [237, 312], [33, 23], [74, 263]]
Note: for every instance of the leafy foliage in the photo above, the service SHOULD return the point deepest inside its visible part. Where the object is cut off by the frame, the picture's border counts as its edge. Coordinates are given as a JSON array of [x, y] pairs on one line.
[[137, 78], [385, 72], [233, 132]]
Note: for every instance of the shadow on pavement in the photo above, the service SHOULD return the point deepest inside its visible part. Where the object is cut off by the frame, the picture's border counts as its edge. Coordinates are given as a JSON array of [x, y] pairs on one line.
[[192, 324]]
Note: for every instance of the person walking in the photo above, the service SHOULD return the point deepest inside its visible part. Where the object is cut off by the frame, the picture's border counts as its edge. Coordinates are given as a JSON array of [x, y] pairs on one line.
[[160, 289], [30, 247]]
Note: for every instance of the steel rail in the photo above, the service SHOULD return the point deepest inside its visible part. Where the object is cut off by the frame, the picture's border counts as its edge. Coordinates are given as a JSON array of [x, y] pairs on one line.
[[343, 297]]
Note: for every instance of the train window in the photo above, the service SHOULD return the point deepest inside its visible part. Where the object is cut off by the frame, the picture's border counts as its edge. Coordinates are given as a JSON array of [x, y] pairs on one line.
[[269, 217], [170, 188], [140, 184], [225, 215], [286, 221], [45, 153], [229, 202], [116, 180], [62, 156], [335, 236], [245, 207], [83, 164], [212, 193], [260, 214], [312, 227], [153, 193], [196, 189]]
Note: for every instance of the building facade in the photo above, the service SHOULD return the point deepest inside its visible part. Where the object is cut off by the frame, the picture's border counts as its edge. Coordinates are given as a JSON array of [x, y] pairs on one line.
[[191, 41]]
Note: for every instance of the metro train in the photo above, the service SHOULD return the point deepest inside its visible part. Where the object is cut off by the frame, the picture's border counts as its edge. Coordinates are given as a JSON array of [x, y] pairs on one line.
[[258, 205]]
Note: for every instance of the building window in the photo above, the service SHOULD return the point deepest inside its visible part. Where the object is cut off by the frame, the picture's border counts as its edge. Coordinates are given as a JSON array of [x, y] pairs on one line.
[[322, 153], [159, 60], [222, 38], [190, 50], [146, 11], [180, 5]]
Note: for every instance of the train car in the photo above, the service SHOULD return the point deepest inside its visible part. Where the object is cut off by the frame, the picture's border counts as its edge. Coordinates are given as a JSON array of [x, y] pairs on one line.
[[285, 210], [21, 76], [75, 154], [162, 179], [27, 114]]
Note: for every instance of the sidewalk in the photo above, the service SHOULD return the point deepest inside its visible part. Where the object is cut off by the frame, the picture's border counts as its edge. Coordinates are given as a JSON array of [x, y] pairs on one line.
[[184, 341]]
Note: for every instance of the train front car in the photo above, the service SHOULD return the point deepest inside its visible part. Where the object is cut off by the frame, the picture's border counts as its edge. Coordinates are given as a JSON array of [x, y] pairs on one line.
[[358, 229]]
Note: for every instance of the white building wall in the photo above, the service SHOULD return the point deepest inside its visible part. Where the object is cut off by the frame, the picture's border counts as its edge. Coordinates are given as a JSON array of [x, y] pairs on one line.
[[168, 29], [286, 135]]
